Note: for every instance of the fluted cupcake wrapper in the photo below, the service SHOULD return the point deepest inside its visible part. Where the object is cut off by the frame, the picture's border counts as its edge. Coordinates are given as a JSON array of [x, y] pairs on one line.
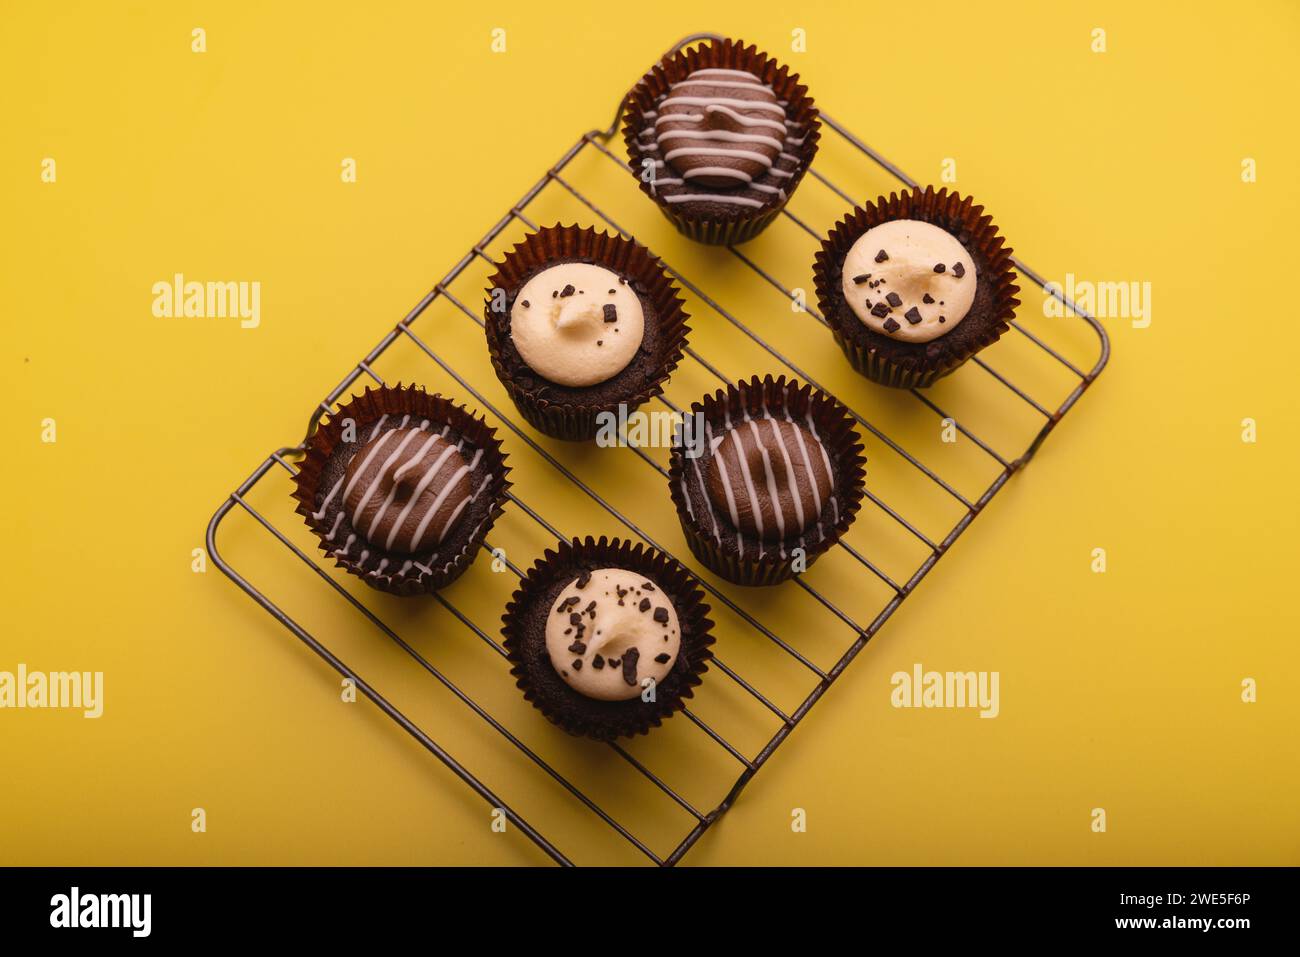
[[549, 693], [578, 421], [746, 223], [835, 429], [957, 215], [397, 401]]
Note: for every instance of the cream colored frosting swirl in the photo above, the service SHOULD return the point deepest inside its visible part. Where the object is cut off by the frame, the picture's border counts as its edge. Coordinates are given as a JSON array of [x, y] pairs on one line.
[[577, 324], [610, 631], [909, 280]]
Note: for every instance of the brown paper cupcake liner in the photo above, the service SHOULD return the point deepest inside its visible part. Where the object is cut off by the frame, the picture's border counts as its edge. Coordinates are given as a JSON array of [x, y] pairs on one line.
[[741, 223], [547, 691], [576, 420], [835, 429], [926, 362], [419, 578]]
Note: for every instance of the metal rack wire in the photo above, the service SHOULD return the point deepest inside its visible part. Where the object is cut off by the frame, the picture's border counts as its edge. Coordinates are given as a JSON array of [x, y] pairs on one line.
[[789, 719]]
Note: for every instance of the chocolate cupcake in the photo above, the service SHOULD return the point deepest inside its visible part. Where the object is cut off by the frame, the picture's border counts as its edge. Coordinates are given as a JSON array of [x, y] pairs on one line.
[[914, 285], [719, 136], [607, 638], [401, 488], [770, 479], [579, 323]]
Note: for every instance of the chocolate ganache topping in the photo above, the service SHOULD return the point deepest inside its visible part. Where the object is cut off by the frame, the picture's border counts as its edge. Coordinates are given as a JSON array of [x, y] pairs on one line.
[[721, 128], [770, 477], [405, 489]]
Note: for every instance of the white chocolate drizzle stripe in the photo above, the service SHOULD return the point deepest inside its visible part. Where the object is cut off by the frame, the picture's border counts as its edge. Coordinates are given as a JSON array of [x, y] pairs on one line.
[[737, 174], [754, 84], [374, 484], [707, 198], [725, 111], [405, 513], [392, 492], [789, 475], [725, 135], [724, 71], [437, 504], [778, 511], [721, 102], [716, 151]]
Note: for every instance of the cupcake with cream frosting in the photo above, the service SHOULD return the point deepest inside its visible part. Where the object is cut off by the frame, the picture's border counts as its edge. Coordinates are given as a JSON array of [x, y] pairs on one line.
[[581, 323], [607, 638], [914, 285]]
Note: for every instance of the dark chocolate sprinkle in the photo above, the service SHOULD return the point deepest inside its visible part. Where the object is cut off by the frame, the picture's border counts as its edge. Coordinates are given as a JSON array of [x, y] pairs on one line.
[[565, 605], [590, 609], [611, 314], [566, 291], [927, 299], [598, 662], [958, 270], [861, 279], [613, 662], [663, 658], [525, 303], [629, 665], [913, 315], [582, 579], [880, 310], [577, 664], [939, 267], [645, 605], [647, 586], [622, 281], [661, 615], [894, 299], [881, 256], [575, 618], [578, 648], [942, 319], [891, 325]]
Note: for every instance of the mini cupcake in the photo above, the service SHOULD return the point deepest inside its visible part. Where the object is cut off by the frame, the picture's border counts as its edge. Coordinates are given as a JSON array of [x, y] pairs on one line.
[[607, 638], [768, 477], [401, 488], [719, 136], [914, 285], [579, 323]]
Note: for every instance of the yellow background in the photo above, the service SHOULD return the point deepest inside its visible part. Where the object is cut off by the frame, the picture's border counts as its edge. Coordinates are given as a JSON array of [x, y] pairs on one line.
[[1119, 690]]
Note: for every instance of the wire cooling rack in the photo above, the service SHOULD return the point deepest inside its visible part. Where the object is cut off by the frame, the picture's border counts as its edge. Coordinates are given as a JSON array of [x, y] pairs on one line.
[[736, 610]]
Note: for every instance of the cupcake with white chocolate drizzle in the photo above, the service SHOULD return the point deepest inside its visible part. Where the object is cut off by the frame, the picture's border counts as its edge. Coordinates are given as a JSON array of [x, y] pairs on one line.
[[401, 488], [720, 136], [780, 480]]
